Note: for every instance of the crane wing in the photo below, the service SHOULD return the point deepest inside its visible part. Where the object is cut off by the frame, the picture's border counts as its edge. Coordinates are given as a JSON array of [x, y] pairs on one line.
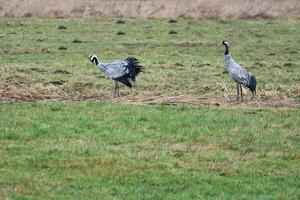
[[240, 75], [116, 69]]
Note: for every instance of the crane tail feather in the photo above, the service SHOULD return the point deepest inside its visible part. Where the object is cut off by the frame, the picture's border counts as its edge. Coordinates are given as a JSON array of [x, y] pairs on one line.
[[134, 67], [252, 84], [124, 80]]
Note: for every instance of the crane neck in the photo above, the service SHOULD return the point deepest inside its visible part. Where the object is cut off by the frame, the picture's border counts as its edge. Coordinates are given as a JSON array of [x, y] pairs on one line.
[[101, 66], [226, 50], [228, 58], [96, 60]]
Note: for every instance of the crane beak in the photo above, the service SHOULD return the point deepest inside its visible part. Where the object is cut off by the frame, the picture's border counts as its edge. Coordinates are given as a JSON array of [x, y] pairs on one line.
[[89, 58]]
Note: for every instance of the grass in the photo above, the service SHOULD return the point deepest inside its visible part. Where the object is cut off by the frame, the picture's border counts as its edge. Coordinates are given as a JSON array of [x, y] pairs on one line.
[[91, 150], [39, 60]]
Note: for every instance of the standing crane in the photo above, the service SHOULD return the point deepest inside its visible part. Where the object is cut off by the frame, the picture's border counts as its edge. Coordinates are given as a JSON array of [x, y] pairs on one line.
[[239, 74], [119, 71]]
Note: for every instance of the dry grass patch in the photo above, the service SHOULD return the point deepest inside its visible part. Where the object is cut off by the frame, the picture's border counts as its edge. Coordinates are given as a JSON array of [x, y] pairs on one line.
[[152, 9]]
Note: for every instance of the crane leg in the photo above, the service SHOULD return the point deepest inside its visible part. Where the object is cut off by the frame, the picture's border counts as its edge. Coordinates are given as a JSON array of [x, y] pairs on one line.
[[253, 94], [241, 93], [116, 87], [237, 92]]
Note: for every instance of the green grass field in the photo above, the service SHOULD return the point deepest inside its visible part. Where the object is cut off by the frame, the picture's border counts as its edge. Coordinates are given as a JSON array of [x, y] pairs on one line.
[[92, 150], [74, 143]]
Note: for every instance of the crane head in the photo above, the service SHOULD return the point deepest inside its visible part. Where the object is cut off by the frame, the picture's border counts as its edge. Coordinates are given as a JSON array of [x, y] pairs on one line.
[[93, 58], [226, 44]]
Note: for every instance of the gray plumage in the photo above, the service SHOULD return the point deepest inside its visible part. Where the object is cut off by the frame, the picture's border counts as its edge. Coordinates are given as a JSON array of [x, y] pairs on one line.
[[239, 74], [119, 71]]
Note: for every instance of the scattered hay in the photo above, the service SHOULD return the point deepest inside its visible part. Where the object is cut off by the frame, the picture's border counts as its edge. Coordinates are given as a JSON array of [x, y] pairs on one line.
[[206, 101], [20, 88], [25, 94]]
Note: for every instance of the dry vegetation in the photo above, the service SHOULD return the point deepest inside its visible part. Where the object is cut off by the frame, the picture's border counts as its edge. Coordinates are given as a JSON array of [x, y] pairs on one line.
[[48, 60], [152, 8]]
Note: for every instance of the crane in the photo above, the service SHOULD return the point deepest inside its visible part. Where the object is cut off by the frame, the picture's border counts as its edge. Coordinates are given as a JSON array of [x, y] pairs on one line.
[[119, 71], [239, 74]]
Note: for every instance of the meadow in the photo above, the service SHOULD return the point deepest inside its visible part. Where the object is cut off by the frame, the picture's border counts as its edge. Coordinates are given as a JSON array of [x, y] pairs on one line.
[[178, 134], [93, 150], [48, 59]]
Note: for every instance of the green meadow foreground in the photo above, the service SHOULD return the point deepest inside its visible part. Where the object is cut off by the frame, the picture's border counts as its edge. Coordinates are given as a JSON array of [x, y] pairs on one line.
[[93, 150]]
